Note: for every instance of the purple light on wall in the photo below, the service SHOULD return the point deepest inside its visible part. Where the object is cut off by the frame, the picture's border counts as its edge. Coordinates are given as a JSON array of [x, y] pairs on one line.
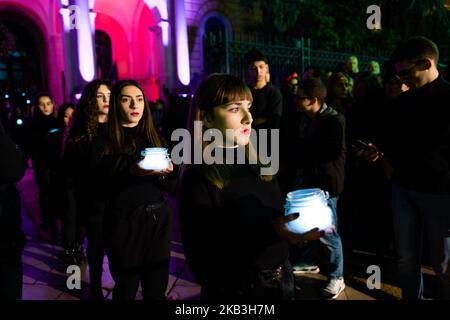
[[92, 16], [66, 19], [84, 39], [164, 25], [183, 69], [161, 5]]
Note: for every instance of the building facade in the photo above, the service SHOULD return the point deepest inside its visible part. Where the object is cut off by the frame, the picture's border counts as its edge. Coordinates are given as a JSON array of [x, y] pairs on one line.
[[63, 44]]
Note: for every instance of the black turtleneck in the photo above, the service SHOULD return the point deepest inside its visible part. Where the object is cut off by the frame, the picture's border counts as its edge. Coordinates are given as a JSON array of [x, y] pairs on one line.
[[125, 190], [38, 131], [76, 160], [228, 232]]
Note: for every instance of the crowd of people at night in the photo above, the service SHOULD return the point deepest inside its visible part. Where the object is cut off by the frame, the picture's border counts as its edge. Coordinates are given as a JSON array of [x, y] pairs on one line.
[[376, 141]]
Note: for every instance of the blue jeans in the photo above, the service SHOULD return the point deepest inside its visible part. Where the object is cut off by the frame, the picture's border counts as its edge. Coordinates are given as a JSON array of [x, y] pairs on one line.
[[333, 261], [331, 258], [414, 212]]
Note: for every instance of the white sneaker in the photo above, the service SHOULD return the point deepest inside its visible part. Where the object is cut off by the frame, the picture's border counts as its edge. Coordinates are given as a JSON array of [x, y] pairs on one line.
[[333, 288], [302, 268]]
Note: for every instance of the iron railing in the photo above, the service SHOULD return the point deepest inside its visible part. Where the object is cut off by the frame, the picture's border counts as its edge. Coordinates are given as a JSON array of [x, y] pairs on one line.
[[285, 54]]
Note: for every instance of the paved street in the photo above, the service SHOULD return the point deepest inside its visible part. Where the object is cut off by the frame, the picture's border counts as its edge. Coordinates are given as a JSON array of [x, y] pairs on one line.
[[45, 273]]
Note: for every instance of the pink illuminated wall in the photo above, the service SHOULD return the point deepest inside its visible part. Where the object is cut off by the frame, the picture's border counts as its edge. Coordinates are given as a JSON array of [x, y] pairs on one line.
[[146, 52], [44, 14], [131, 27], [119, 43], [134, 27]]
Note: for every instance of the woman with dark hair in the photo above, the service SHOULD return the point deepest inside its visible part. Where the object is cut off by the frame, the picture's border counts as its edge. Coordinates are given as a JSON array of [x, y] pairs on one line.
[[339, 88], [85, 206], [52, 149], [138, 220], [57, 136], [231, 218], [43, 122], [65, 114]]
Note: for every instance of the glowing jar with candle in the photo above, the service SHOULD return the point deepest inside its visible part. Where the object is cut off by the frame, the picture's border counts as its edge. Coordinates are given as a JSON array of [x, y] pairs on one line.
[[313, 209], [155, 159]]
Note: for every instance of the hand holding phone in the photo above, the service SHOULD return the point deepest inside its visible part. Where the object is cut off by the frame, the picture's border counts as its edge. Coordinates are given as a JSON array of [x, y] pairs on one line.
[[367, 151], [361, 145]]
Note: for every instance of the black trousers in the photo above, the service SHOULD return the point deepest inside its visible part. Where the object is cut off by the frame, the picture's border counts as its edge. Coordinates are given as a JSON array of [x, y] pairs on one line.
[[270, 284], [72, 219], [138, 249], [42, 178], [95, 248], [12, 241], [11, 272]]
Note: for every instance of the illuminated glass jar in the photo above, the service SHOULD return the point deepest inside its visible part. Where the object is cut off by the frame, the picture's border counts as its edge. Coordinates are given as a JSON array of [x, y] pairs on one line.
[[155, 159], [313, 209]]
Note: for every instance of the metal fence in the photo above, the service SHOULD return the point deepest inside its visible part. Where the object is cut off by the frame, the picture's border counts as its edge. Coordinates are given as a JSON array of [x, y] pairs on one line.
[[285, 54]]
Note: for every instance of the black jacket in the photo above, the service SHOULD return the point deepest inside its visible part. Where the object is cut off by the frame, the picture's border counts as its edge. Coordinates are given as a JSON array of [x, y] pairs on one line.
[[37, 133], [268, 104], [228, 233], [12, 169], [419, 147], [113, 179], [318, 151]]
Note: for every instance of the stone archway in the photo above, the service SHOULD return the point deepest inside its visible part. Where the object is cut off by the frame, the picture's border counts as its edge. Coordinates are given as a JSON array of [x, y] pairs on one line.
[[215, 32], [41, 18], [23, 71], [135, 41]]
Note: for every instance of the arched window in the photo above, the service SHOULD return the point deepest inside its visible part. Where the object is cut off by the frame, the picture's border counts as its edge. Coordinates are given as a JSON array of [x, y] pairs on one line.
[[103, 55], [21, 68], [215, 55]]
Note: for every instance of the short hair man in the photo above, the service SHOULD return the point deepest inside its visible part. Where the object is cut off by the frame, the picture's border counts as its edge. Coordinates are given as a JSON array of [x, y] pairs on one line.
[[421, 162], [419, 158], [352, 66], [267, 99], [318, 161]]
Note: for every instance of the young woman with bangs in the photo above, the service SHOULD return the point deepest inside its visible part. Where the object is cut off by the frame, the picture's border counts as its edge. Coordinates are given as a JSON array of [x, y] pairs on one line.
[[231, 216]]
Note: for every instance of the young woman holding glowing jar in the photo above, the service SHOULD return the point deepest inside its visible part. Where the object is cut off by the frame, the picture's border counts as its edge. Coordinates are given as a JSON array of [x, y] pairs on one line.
[[231, 215], [138, 219]]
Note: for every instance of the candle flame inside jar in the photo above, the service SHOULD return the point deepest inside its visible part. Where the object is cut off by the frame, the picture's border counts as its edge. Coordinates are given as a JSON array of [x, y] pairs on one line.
[[154, 159]]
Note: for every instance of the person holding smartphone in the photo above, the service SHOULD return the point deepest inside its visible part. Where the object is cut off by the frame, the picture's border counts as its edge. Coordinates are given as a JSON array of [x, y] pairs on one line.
[[418, 161]]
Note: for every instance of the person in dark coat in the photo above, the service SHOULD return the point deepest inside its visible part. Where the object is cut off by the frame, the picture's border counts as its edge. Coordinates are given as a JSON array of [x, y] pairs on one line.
[[231, 218], [84, 207], [12, 239], [43, 123], [267, 99], [417, 159], [137, 219], [318, 161]]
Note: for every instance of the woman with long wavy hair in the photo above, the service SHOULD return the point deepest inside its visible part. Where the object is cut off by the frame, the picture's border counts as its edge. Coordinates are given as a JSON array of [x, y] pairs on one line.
[[86, 203], [138, 220]]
